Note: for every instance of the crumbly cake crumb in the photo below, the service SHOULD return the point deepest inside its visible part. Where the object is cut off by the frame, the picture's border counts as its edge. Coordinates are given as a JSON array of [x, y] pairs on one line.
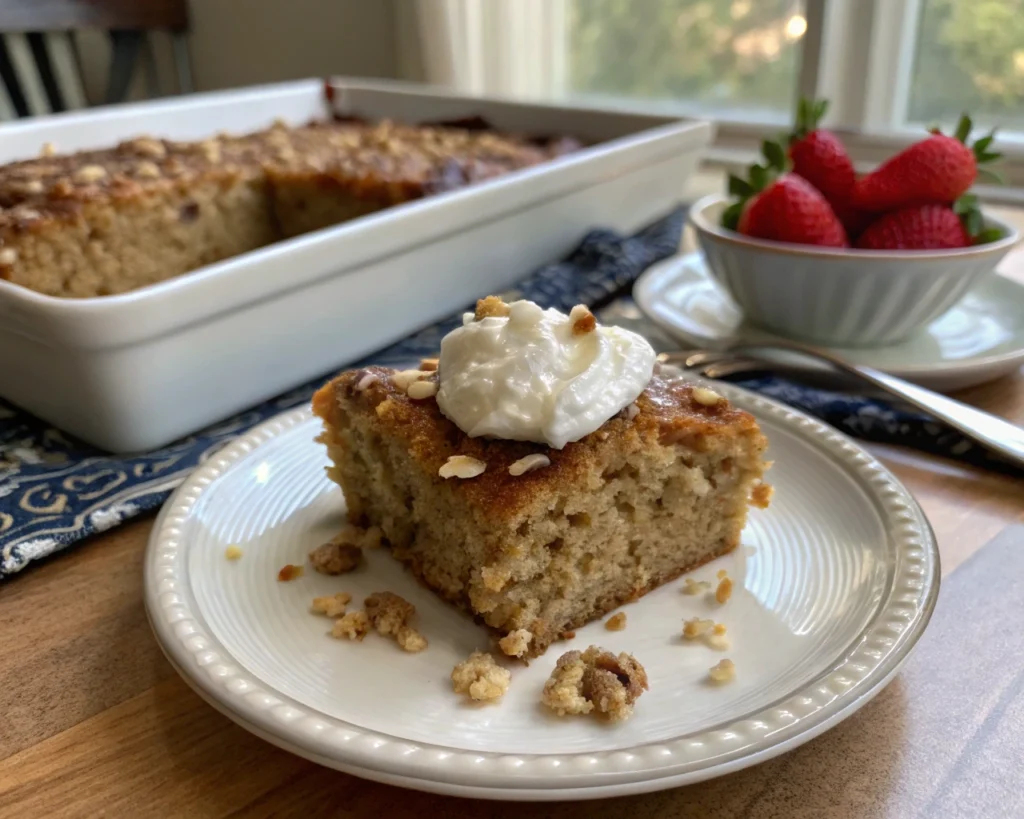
[[582, 319], [761, 495], [480, 678], [723, 671], [695, 628], [353, 626], [721, 573], [595, 680], [491, 306], [289, 572], [462, 466], [388, 612], [528, 463], [617, 622], [724, 590], [516, 642], [333, 605], [337, 556], [410, 640], [233, 552], [691, 586]]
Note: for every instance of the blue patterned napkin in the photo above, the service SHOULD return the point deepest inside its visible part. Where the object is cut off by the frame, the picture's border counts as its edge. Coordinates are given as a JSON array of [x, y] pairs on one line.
[[55, 491]]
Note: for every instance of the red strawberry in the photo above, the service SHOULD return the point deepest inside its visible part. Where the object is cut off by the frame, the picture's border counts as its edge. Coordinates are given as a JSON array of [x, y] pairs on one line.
[[791, 209], [936, 170], [818, 155], [921, 227]]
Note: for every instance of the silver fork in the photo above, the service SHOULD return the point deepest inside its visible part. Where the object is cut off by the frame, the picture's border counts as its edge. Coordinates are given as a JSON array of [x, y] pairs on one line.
[[983, 428]]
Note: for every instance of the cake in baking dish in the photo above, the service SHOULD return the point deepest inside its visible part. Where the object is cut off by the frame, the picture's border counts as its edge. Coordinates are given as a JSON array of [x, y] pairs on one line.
[[104, 222], [535, 540]]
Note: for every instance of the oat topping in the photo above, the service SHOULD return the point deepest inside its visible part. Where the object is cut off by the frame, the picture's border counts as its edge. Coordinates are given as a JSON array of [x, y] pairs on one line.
[[528, 464], [462, 466], [353, 626], [421, 390], [724, 590], [706, 397], [582, 319], [617, 622], [691, 586], [337, 556], [515, 643], [289, 572], [233, 552], [723, 671], [595, 681], [480, 678], [490, 306], [88, 174], [333, 605]]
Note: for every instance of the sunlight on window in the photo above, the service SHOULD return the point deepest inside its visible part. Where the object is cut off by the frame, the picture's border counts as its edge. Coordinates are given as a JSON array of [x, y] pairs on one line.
[[731, 56]]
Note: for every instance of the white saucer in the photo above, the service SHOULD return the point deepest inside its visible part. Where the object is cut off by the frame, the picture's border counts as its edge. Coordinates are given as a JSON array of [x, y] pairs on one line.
[[833, 585], [980, 339]]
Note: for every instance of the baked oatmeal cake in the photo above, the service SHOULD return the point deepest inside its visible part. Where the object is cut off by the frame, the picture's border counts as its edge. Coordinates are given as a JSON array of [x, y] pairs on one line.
[[538, 539]]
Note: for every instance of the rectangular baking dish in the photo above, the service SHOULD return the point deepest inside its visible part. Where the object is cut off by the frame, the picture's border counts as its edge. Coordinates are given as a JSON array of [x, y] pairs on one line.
[[135, 371]]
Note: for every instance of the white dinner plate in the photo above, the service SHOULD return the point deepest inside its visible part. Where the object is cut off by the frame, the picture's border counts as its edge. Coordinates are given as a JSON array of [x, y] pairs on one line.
[[834, 583], [979, 339]]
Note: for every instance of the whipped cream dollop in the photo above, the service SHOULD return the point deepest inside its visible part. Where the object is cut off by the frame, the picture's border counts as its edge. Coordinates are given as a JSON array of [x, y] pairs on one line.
[[530, 376]]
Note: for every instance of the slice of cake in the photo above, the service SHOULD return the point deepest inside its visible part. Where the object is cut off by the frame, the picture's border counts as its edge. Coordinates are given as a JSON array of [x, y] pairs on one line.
[[537, 539]]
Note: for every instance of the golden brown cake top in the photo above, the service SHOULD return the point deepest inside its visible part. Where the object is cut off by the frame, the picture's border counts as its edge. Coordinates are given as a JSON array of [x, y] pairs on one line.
[[374, 159], [669, 411]]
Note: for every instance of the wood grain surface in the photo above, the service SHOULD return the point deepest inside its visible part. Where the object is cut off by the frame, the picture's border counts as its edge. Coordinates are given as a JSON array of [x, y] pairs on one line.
[[93, 720]]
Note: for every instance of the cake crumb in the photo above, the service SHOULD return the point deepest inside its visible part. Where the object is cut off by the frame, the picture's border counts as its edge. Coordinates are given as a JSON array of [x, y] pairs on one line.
[[595, 681], [617, 622], [333, 605], [410, 640], [515, 643], [480, 678], [724, 590], [492, 306], [233, 552], [289, 572], [695, 628], [691, 586], [529, 463], [723, 671], [461, 466], [422, 390], [388, 612], [761, 495], [353, 626], [582, 319], [337, 556], [721, 574]]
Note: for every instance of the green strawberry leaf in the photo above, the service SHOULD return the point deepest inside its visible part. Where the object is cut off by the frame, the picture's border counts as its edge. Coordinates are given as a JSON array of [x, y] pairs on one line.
[[759, 178], [963, 128], [972, 222], [809, 113], [965, 204], [990, 176], [992, 234], [774, 153], [739, 186], [731, 216]]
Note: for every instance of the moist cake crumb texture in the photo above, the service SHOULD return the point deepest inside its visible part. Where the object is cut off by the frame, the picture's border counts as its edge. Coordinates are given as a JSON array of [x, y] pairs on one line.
[[722, 672], [355, 625], [515, 643], [540, 552], [337, 556], [333, 605], [595, 681], [480, 678]]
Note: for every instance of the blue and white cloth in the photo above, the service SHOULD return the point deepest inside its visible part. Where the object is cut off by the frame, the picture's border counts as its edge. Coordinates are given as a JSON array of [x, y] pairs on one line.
[[56, 491]]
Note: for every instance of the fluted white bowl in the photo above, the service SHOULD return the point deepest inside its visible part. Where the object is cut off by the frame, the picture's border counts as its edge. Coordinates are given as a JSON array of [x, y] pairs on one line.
[[841, 296]]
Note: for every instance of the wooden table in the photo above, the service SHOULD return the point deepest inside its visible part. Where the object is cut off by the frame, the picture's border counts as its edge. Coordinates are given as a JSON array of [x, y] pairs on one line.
[[94, 721]]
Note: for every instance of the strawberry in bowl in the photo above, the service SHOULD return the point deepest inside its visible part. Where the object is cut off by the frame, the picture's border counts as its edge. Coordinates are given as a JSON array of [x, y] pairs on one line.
[[810, 250]]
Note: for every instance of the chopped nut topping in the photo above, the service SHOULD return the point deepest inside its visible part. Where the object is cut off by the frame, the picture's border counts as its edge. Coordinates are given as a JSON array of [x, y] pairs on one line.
[[48, 149], [233, 552], [709, 398], [595, 680], [410, 640], [632, 411], [388, 612], [617, 622], [528, 464], [761, 495], [8, 256], [28, 186], [289, 572], [582, 319], [480, 678], [421, 390], [89, 174], [147, 170], [691, 586], [695, 628], [404, 378], [353, 626], [211, 150], [339, 555], [723, 671], [490, 306], [150, 147], [515, 643], [724, 590], [366, 382], [333, 605], [462, 466], [429, 364]]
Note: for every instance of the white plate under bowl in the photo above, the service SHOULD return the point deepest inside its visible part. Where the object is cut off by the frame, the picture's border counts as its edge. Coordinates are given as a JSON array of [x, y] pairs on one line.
[[979, 339], [833, 586]]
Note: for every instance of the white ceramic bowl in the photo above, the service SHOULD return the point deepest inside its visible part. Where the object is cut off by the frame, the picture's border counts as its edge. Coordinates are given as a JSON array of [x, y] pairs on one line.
[[841, 296]]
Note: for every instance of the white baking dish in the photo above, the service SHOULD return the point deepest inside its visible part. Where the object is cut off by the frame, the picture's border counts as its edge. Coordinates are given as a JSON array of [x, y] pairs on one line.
[[136, 371]]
